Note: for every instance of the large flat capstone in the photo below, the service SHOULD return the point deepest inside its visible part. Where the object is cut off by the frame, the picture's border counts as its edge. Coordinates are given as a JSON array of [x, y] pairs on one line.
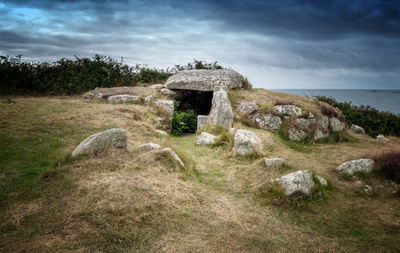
[[204, 79]]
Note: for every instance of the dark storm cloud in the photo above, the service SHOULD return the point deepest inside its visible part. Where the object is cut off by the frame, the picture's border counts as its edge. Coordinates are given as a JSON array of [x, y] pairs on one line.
[[361, 36]]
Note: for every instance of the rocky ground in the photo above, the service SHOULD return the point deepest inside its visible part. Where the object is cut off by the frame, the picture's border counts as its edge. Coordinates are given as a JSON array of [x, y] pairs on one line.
[[139, 200]]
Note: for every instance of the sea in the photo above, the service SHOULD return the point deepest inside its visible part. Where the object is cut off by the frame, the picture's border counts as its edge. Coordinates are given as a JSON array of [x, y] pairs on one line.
[[383, 100]]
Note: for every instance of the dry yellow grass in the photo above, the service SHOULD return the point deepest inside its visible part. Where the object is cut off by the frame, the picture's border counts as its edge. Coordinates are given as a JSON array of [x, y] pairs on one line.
[[129, 201]]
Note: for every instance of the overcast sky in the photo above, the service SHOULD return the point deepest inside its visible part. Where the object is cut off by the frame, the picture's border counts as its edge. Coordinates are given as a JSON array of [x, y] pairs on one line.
[[277, 44]]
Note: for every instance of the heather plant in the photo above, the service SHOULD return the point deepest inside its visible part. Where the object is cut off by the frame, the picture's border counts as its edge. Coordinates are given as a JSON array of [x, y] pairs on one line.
[[388, 165], [374, 122]]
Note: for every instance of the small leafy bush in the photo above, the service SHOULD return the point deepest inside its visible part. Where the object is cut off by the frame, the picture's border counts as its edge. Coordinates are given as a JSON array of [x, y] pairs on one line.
[[374, 122], [184, 122], [389, 166]]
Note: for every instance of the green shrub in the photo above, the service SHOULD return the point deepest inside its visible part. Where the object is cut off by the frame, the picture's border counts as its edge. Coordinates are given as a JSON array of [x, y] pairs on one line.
[[184, 122], [374, 122]]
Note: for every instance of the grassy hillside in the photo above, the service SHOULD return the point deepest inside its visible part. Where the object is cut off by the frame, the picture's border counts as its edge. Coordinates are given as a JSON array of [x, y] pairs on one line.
[[127, 201]]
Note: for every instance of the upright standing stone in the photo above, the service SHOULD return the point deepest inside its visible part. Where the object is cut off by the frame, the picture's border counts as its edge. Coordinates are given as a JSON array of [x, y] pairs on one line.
[[221, 111]]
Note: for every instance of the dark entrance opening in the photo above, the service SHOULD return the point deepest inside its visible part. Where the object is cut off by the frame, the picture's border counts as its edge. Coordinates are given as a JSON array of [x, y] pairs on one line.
[[198, 101], [190, 104]]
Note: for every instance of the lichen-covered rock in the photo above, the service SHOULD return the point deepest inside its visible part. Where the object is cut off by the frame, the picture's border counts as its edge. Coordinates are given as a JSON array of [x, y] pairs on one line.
[[205, 139], [305, 123], [221, 87], [173, 155], [247, 108], [299, 182], [319, 134], [324, 122], [361, 165], [123, 99], [167, 92], [288, 110], [221, 111], [202, 122], [336, 125], [148, 146], [321, 180], [381, 137], [357, 129], [267, 121], [296, 134], [247, 142], [271, 163], [167, 105], [204, 79], [115, 137]]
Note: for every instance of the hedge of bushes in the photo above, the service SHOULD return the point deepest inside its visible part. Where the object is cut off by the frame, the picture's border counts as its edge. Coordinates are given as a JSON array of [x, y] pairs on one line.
[[78, 75], [389, 166], [71, 76], [374, 122]]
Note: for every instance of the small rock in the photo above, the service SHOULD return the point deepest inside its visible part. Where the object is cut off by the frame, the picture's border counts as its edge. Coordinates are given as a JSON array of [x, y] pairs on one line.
[[147, 100], [232, 131], [247, 108], [123, 99], [288, 110], [173, 155], [361, 165], [367, 188], [321, 180], [310, 115], [148, 146], [336, 124], [271, 163], [299, 182], [157, 86], [202, 122], [357, 129], [205, 139], [167, 92], [247, 142], [115, 137], [381, 137], [297, 134], [161, 132]]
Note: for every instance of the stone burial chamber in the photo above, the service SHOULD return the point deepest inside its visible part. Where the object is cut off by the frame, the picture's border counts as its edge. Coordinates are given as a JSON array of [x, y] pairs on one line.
[[206, 91]]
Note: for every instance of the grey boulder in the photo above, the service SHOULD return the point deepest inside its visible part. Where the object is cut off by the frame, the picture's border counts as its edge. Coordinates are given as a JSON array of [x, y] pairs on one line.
[[115, 137], [205, 139], [351, 167], [381, 137], [324, 122], [296, 134], [357, 129], [247, 142], [271, 163], [267, 121], [204, 79], [288, 110], [297, 183], [167, 105], [247, 108], [336, 124]]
